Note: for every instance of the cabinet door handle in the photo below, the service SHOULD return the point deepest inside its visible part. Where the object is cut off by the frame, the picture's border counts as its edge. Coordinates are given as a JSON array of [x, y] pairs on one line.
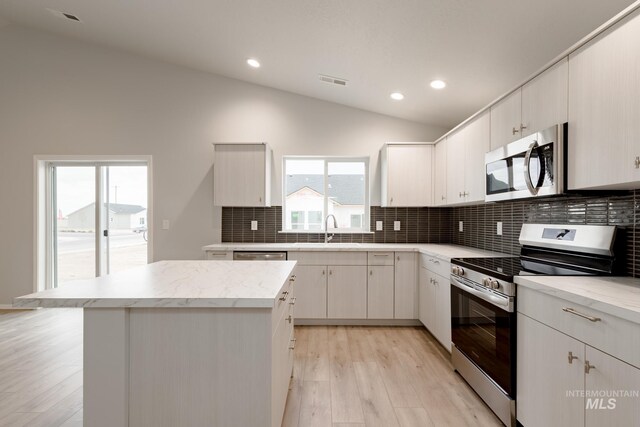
[[577, 313], [284, 296], [260, 199], [290, 318], [514, 131], [522, 127], [443, 198], [293, 344], [637, 162], [398, 257], [571, 357], [323, 272], [391, 200], [588, 367], [370, 272], [293, 301], [330, 272]]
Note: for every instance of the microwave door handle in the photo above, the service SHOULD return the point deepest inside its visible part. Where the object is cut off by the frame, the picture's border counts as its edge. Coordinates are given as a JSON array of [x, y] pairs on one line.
[[527, 176]]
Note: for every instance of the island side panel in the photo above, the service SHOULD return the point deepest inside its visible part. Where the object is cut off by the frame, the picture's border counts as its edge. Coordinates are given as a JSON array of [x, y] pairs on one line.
[[106, 367], [200, 367]]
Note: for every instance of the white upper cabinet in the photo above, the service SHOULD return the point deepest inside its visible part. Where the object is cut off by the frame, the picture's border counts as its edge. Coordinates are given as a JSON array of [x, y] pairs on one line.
[[242, 175], [407, 178], [604, 110], [544, 99], [465, 161], [539, 104], [440, 173], [506, 120]]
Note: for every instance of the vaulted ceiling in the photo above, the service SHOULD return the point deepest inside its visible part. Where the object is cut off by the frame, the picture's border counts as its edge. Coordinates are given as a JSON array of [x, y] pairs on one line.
[[480, 48]]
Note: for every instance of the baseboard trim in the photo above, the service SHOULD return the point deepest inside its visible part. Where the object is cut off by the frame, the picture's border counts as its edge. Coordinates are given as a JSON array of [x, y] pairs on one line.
[[357, 322]]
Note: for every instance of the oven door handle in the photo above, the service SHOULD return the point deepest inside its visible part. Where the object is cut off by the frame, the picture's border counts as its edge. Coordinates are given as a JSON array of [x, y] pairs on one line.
[[527, 176], [502, 302]]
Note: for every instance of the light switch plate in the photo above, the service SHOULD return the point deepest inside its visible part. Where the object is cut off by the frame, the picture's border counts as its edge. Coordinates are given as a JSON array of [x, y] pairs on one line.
[[378, 225], [254, 225], [396, 225], [460, 226], [499, 228], [165, 224]]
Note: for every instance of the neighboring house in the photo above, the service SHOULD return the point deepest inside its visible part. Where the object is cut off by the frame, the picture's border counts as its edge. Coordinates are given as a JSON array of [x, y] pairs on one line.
[[305, 201], [121, 217]]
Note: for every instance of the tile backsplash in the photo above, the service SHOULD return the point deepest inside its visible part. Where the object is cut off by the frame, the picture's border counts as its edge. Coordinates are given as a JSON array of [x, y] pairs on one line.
[[440, 225], [622, 210], [418, 225]]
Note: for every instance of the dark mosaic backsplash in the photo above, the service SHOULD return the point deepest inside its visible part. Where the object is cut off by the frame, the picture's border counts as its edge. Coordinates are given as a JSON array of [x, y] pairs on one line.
[[418, 225], [440, 225], [480, 221]]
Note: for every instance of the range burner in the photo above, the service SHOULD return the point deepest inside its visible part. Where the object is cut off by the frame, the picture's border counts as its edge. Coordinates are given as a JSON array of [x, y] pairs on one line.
[[500, 268]]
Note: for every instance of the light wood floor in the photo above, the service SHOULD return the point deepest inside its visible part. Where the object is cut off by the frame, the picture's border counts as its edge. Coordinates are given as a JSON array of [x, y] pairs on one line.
[[343, 376]]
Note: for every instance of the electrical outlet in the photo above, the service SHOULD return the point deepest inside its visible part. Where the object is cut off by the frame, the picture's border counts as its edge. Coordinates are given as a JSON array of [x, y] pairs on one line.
[[460, 226], [396, 225], [165, 224], [499, 228], [378, 225], [254, 225]]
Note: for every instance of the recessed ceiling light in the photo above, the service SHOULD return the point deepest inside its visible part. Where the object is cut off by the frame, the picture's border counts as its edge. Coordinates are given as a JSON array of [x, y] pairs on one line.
[[253, 63], [438, 84], [397, 96]]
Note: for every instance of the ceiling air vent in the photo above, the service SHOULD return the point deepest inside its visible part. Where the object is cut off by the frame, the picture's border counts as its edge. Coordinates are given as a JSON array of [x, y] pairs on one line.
[[64, 15], [333, 80]]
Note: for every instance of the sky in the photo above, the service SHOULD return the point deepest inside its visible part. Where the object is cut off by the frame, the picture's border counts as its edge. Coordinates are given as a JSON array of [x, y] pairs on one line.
[[76, 186]]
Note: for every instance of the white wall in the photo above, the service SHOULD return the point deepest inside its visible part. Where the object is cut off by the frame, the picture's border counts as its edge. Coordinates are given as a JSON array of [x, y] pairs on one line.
[[61, 96]]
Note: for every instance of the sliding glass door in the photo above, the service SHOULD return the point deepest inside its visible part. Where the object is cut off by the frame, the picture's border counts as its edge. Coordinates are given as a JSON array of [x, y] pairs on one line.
[[98, 217]]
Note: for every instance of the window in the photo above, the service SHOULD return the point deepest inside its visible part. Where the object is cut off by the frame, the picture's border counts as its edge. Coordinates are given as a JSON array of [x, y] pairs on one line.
[[356, 221], [315, 187], [87, 215], [297, 220]]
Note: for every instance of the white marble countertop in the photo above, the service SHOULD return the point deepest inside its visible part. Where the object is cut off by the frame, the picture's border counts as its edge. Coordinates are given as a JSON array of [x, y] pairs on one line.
[[174, 284], [442, 251], [618, 296]]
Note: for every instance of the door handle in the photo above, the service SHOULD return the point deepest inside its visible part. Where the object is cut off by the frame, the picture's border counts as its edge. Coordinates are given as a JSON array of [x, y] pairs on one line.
[[588, 367], [515, 130], [527, 176], [571, 357], [577, 313]]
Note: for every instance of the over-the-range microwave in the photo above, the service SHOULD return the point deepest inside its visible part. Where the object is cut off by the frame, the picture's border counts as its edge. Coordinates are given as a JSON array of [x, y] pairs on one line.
[[530, 167]]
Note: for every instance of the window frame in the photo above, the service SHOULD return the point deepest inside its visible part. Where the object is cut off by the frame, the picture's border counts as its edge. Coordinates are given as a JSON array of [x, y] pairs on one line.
[[329, 159]]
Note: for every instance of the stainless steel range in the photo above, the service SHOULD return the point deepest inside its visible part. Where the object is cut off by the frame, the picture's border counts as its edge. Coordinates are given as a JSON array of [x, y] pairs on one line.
[[483, 302]]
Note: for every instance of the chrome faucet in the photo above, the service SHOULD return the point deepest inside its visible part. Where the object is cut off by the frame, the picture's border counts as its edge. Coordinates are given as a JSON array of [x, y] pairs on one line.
[[328, 238]]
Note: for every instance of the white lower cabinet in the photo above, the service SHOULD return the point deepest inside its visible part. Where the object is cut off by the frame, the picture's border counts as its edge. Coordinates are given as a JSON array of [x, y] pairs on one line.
[[611, 374], [311, 292], [427, 299], [406, 285], [435, 305], [347, 292], [564, 381], [380, 292], [545, 376]]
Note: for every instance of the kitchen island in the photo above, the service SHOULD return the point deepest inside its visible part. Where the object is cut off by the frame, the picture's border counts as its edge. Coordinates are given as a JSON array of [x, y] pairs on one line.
[[190, 343]]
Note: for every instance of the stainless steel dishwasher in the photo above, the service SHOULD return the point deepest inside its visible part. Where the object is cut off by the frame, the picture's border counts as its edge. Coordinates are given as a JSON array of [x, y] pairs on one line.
[[260, 256]]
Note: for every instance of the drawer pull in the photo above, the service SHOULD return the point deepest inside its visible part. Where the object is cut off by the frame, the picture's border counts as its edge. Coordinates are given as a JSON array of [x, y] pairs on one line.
[[293, 344], [380, 254], [577, 313], [571, 357], [588, 367], [292, 278], [284, 295], [293, 301]]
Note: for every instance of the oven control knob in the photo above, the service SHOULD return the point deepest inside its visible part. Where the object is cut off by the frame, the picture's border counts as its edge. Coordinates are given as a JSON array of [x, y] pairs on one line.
[[461, 271], [454, 269], [486, 282], [494, 284], [458, 270]]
